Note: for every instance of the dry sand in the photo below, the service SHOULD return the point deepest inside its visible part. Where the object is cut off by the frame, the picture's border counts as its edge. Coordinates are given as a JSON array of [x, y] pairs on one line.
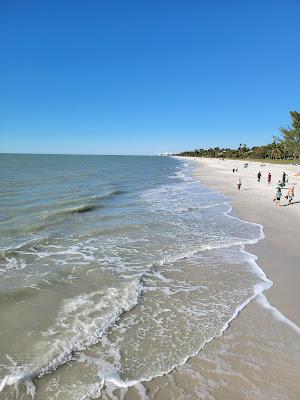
[[279, 253], [258, 357]]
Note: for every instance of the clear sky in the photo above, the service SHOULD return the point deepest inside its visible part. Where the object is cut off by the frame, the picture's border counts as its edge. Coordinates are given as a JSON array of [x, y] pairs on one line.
[[146, 76]]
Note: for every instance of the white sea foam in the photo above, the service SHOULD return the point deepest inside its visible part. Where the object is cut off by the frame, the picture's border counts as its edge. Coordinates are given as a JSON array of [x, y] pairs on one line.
[[82, 328], [180, 221], [258, 290], [264, 302]]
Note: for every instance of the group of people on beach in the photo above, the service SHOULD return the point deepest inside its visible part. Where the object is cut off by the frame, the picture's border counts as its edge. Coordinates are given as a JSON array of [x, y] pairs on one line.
[[269, 177], [279, 187], [289, 196]]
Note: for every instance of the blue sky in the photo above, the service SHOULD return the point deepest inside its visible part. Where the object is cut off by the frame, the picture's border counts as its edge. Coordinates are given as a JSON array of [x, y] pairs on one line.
[[141, 77]]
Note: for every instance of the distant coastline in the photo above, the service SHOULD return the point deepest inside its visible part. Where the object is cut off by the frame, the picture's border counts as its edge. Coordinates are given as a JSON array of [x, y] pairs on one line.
[[283, 149], [279, 252]]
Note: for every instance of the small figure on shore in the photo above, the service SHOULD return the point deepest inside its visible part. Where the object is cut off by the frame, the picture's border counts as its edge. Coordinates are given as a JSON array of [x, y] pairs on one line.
[[283, 178], [258, 176], [279, 185], [239, 183], [269, 178], [291, 194], [278, 195]]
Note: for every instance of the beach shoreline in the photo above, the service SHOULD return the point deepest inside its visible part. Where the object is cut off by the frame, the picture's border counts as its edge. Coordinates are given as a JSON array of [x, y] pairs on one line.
[[238, 363], [151, 293], [279, 252]]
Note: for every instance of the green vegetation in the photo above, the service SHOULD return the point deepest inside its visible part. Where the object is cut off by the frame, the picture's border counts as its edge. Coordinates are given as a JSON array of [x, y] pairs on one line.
[[282, 149], [291, 136]]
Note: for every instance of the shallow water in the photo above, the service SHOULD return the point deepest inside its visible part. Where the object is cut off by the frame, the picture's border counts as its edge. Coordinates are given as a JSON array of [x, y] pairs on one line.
[[114, 270]]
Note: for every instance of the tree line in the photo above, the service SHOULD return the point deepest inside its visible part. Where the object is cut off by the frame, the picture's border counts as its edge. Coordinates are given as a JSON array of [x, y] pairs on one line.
[[286, 146]]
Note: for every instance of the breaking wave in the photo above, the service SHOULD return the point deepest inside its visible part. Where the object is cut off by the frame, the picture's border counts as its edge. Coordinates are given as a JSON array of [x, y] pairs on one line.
[[84, 320]]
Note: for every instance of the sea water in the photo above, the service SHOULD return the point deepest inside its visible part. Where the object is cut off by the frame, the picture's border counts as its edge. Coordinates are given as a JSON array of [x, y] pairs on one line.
[[114, 270]]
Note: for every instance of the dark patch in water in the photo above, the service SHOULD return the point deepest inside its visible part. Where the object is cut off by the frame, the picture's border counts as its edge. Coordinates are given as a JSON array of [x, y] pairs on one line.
[[85, 208], [109, 195]]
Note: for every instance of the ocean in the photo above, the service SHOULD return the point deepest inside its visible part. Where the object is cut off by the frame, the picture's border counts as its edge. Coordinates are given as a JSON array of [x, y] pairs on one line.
[[114, 271]]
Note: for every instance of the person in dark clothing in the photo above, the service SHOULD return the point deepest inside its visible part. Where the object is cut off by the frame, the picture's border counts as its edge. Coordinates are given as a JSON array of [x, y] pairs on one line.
[[278, 195], [258, 176], [283, 178], [269, 178]]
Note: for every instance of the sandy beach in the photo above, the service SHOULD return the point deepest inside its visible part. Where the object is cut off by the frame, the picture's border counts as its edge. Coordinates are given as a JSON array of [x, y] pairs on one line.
[[279, 253], [258, 356], [179, 306]]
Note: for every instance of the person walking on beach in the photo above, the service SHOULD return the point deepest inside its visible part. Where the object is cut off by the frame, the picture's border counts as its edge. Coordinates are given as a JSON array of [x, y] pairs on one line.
[[283, 178], [278, 195], [239, 184], [269, 178], [258, 176], [291, 194]]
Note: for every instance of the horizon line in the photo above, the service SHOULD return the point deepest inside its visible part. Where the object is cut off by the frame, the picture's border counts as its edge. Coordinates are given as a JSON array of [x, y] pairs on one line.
[[82, 154]]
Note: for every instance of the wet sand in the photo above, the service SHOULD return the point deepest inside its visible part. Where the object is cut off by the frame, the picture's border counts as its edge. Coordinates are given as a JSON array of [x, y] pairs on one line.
[[258, 356], [249, 362], [279, 253]]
